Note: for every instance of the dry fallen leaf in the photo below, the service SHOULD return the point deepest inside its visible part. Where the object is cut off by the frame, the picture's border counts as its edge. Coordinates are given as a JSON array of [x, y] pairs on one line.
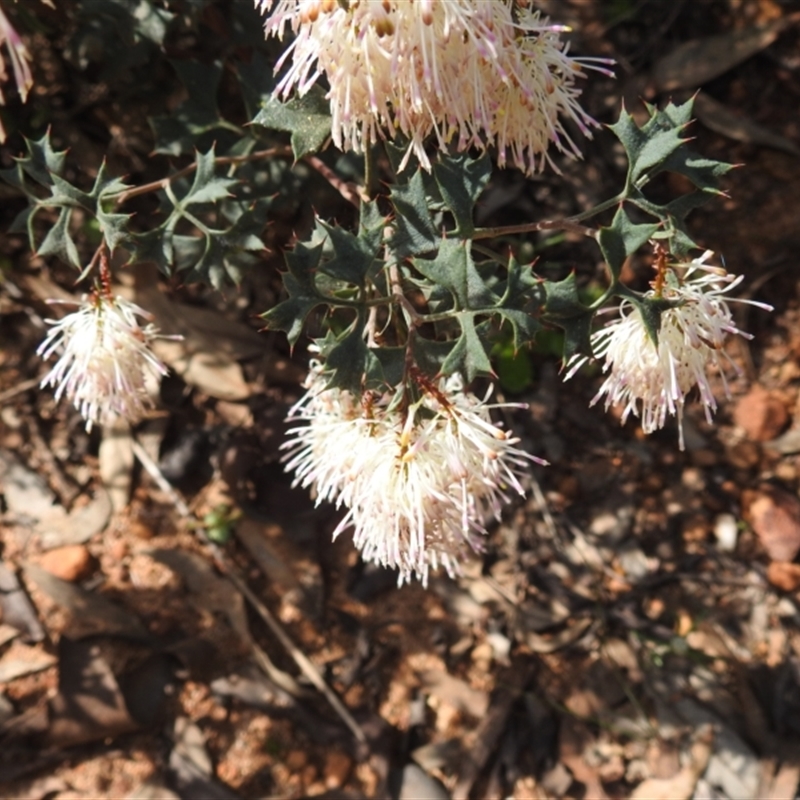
[[91, 612], [695, 62], [89, 704], [21, 660], [681, 786], [775, 517], [721, 119]]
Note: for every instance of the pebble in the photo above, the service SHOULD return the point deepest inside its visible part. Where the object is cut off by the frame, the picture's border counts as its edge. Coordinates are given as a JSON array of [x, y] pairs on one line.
[[296, 760], [726, 531], [775, 517], [693, 479], [761, 414], [72, 562], [338, 766]]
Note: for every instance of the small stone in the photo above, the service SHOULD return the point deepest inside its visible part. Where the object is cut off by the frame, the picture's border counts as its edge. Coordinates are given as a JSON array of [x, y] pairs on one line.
[[786, 471], [775, 517], [338, 766], [761, 414], [72, 562], [693, 479], [296, 760], [726, 531], [784, 575], [119, 550]]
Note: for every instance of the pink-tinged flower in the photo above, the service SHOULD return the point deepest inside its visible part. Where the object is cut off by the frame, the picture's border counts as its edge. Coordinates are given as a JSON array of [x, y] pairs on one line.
[[470, 73], [104, 359], [653, 381], [19, 57], [419, 482]]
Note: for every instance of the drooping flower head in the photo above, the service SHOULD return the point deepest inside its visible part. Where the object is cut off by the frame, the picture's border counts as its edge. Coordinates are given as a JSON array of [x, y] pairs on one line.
[[19, 56], [104, 359], [419, 480], [690, 342], [475, 73]]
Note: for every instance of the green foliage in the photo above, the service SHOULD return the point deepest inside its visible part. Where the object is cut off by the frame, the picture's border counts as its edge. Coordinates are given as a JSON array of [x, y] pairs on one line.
[[306, 118], [621, 239], [347, 271], [564, 309], [659, 146], [411, 285], [39, 177], [214, 254]]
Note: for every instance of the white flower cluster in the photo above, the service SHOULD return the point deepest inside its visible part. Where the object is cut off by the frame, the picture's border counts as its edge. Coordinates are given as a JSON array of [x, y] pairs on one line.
[[474, 73], [104, 359], [690, 340], [419, 481]]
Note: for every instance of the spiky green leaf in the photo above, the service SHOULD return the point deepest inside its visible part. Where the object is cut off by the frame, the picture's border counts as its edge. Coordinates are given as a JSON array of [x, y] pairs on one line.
[[306, 118], [461, 181], [300, 285], [623, 238], [415, 233]]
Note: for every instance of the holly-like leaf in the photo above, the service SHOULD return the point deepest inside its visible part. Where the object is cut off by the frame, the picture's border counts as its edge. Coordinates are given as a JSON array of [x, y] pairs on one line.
[[577, 336], [227, 252], [347, 359], [461, 181], [651, 309], [371, 225], [704, 173], [59, 242], [306, 118], [353, 255], [415, 233], [564, 309], [623, 238], [289, 315], [41, 162], [154, 246], [522, 296], [454, 269], [655, 141], [207, 186], [65, 197], [468, 355], [562, 300], [659, 146]]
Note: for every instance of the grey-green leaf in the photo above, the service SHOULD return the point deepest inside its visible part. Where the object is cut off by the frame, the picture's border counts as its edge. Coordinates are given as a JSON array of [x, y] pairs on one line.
[[306, 118]]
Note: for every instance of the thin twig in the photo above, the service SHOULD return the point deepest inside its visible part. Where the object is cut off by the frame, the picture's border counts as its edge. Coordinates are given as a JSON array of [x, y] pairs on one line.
[[8, 394], [156, 474], [529, 227], [154, 186], [303, 662], [347, 190]]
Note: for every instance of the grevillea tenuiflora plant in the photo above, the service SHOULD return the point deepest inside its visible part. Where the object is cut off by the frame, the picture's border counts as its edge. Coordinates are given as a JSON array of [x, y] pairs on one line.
[[408, 304]]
